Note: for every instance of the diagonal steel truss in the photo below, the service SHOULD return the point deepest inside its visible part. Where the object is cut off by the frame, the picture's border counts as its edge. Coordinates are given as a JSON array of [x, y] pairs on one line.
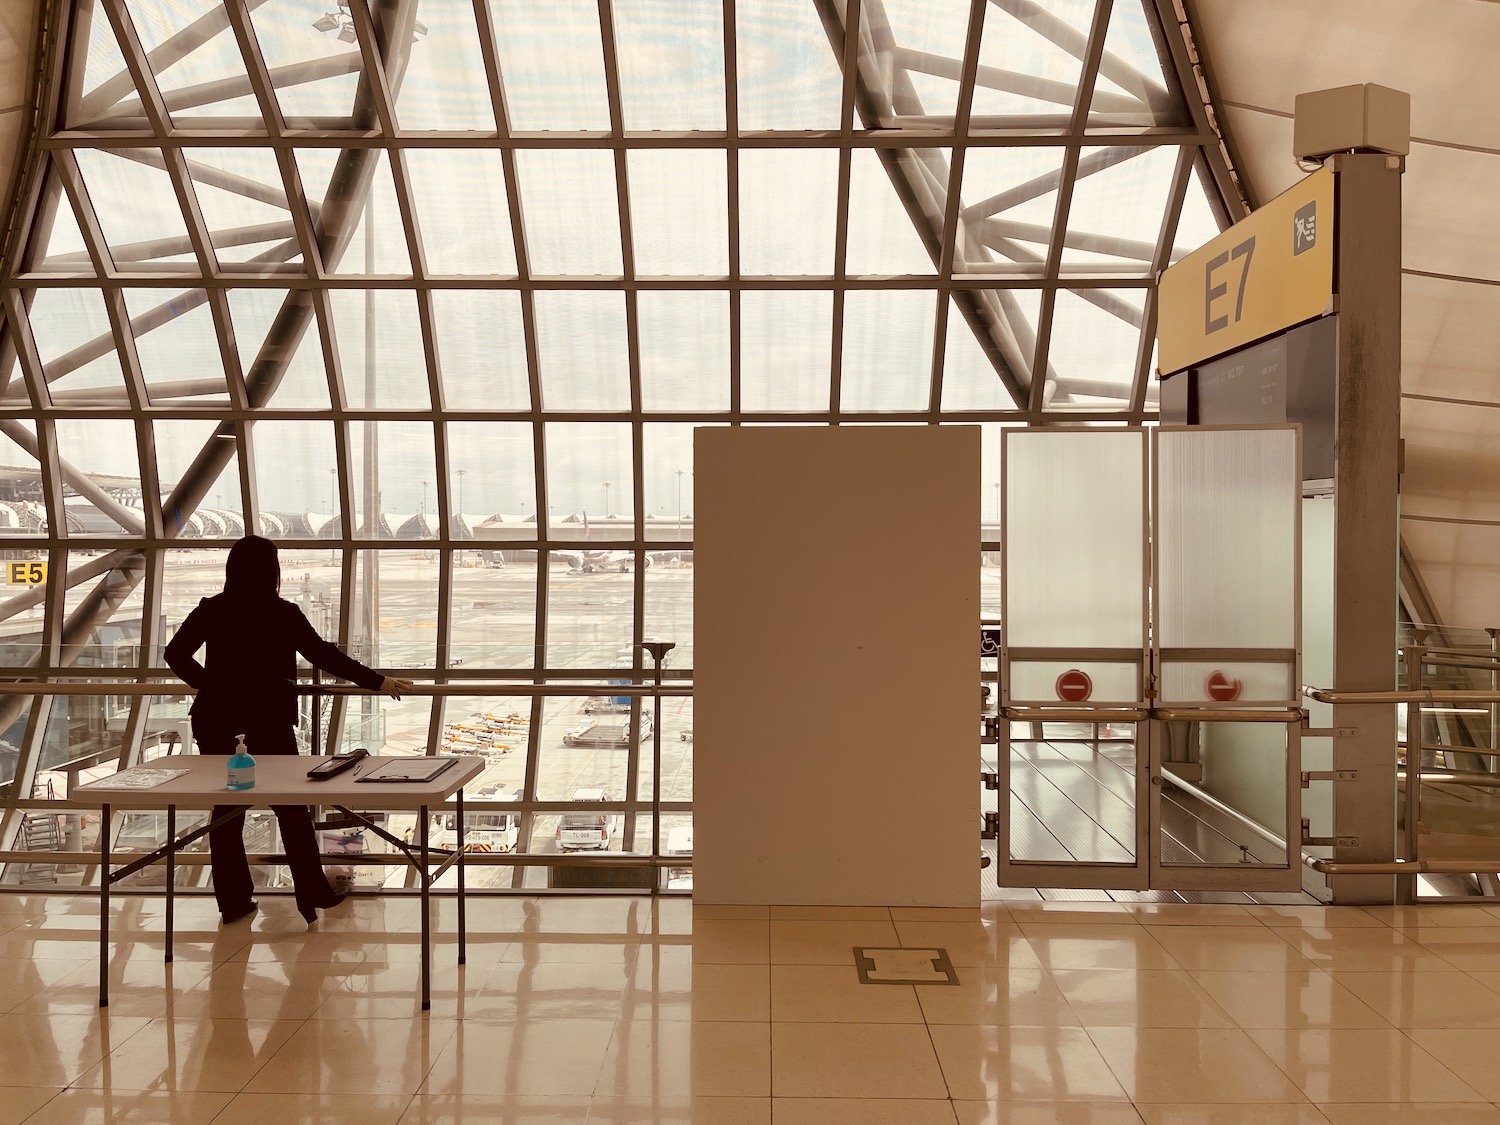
[[982, 259]]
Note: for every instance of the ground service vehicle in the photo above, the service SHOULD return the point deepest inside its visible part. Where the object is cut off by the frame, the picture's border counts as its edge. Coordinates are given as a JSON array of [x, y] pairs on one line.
[[680, 842], [611, 734], [490, 826], [581, 830]]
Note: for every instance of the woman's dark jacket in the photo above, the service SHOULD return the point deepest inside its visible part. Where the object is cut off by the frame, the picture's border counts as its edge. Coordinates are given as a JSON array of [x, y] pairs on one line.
[[250, 668]]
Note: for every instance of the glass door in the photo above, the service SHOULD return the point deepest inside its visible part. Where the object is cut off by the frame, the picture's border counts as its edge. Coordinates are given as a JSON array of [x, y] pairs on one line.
[[1148, 735], [1226, 641], [1073, 660], [1228, 830], [1071, 802]]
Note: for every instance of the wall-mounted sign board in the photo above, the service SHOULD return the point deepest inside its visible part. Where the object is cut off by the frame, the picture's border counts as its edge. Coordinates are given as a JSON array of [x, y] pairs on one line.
[[1269, 271], [25, 573]]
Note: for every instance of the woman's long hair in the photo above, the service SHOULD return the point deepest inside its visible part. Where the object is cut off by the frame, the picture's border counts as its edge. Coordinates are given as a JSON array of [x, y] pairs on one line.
[[253, 572]]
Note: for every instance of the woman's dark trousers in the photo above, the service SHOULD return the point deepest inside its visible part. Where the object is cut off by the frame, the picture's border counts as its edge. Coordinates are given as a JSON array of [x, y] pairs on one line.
[[232, 884]]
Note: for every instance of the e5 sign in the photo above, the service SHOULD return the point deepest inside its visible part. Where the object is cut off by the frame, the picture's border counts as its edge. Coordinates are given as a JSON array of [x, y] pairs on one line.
[[25, 573]]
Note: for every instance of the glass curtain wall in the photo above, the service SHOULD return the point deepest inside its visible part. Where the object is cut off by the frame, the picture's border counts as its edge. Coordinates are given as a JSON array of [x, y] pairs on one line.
[[433, 292]]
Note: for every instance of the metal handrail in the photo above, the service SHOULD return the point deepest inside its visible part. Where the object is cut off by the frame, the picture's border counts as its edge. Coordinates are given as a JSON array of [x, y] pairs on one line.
[[1075, 714], [1141, 714], [468, 687], [502, 689], [1217, 805], [1087, 714], [1481, 662], [1411, 865], [1288, 715], [379, 859], [1478, 780], [1402, 866], [1229, 715], [1450, 748], [1412, 695]]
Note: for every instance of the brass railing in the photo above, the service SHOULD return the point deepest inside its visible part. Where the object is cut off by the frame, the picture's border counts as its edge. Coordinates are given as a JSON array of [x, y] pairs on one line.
[[654, 807], [1413, 776]]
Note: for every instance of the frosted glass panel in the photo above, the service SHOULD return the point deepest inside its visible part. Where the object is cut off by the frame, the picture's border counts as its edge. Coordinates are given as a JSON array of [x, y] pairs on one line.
[[1226, 681], [1036, 681], [1074, 534], [1228, 508]]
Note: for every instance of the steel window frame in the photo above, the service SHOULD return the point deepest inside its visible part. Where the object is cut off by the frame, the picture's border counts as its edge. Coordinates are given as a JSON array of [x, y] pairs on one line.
[[53, 180]]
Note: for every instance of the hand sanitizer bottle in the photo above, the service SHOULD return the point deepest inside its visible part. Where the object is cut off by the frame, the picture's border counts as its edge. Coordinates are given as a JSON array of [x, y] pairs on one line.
[[241, 766]]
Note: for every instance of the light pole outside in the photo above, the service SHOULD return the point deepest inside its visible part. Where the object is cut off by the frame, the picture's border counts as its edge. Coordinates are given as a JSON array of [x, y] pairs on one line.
[[333, 510], [607, 487], [680, 473], [459, 526]]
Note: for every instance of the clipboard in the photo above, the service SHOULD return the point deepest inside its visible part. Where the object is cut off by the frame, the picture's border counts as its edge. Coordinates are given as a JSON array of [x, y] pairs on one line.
[[407, 769]]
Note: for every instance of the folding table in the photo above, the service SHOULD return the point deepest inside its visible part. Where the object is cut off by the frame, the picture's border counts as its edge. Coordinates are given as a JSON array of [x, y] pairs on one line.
[[281, 779]]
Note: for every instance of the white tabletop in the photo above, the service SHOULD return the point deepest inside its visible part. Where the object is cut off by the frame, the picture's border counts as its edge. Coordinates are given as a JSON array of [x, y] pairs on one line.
[[280, 779]]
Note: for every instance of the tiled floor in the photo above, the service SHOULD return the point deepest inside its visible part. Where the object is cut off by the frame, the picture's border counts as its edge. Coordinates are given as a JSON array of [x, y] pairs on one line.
[[619, 1010]]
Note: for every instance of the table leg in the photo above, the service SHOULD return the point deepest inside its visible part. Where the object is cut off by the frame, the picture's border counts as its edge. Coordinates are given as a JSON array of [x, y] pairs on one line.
[[463, 848], [104, 906], [171, 872], [426, 874]]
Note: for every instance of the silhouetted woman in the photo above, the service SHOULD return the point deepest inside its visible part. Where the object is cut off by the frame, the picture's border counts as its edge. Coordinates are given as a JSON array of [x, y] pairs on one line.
[[246, 686]]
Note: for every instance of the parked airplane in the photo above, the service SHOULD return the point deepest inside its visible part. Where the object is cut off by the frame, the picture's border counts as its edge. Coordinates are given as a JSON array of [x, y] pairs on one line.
[[594, 562]]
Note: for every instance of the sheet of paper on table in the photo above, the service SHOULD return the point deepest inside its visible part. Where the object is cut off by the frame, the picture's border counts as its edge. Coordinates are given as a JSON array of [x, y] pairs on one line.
[[136, 777]]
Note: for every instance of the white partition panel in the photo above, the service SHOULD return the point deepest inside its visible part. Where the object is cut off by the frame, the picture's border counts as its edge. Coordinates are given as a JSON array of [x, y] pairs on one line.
[[836, 603]]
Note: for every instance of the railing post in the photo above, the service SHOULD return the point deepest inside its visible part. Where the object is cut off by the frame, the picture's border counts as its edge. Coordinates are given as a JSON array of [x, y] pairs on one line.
[[658, 651], [1406, 885], [1494, 686]]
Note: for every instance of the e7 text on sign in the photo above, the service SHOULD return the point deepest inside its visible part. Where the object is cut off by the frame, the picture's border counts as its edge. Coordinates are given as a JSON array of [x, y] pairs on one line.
[[1269, 271], [1244, 252]]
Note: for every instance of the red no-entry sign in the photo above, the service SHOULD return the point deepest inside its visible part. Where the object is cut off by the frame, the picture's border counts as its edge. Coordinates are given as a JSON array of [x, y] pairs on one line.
[[1221, 688], [1074, 686]]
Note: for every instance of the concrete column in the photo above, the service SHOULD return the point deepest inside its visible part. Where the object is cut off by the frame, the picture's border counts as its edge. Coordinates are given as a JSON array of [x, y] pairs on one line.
[[1366, 539]]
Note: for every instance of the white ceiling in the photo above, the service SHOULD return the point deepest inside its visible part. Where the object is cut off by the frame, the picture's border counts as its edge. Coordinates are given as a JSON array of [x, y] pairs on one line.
[[1443, 52]]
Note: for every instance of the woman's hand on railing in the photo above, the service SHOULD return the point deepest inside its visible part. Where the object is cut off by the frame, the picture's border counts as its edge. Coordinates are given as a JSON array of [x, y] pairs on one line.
[[394, 687]]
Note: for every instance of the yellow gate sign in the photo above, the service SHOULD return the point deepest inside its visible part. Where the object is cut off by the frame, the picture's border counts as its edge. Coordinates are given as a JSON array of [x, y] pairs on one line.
[[25, 573], [1271, 270]]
